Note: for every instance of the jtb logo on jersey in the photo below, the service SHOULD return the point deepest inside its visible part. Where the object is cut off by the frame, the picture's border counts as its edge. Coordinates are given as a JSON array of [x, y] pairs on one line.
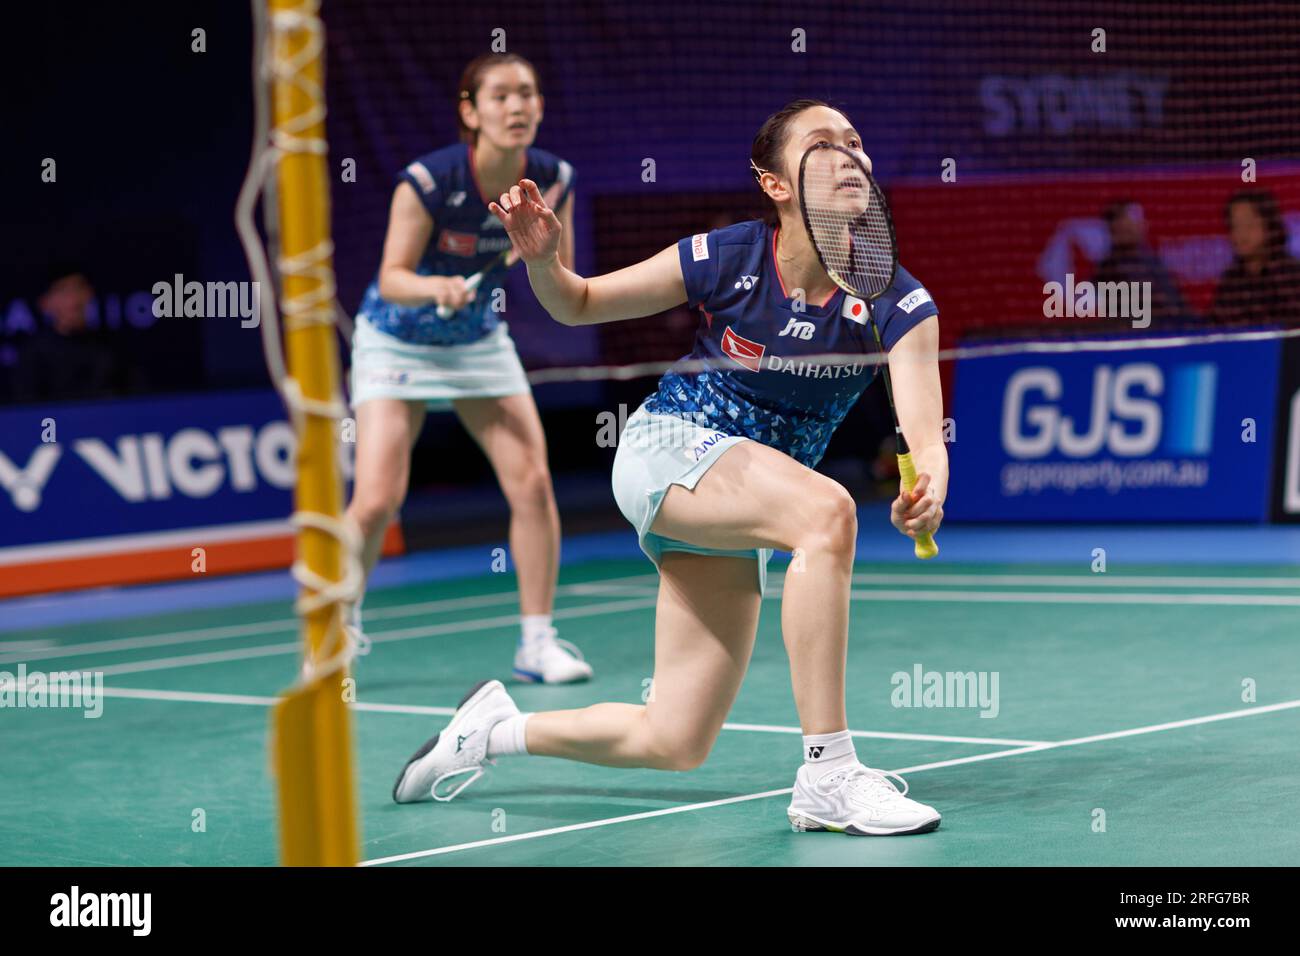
[[742, 350], [798, 329], [1125, 415]]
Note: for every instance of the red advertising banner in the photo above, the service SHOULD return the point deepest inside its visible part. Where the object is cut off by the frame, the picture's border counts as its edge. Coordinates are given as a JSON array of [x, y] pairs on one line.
[[985, 246]]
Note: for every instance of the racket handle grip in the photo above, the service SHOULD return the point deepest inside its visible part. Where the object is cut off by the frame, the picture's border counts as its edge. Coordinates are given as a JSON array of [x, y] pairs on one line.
[[446, 311], [925, 546]]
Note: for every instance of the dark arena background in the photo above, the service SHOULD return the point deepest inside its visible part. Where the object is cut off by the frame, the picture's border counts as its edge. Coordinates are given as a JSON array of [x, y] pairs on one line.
[[1118, 566]]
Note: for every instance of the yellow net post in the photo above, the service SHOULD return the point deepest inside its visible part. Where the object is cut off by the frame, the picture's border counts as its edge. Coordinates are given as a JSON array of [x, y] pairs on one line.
[[312, 739]]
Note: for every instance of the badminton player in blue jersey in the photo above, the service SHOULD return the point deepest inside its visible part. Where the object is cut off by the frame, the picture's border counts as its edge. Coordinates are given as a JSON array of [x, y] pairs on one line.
[[428, 337], [714, 471]]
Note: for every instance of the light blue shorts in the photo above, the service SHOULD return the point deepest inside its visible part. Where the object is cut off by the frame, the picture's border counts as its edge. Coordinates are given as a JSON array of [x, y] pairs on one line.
[[387, 367], [656, 452]]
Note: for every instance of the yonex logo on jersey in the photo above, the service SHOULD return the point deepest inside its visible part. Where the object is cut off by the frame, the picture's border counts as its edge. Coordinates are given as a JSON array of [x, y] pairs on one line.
[[854, 309], [422, 176], [741, 350], [910, 302], [492, 222], [746, 282], [798, 330], [456, 198], [815, 752], [700, 246]]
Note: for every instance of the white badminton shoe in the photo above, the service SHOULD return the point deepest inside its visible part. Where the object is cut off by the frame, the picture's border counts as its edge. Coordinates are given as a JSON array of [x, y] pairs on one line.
[[352, 628], [459, 749], [550, 661], [859, 801]]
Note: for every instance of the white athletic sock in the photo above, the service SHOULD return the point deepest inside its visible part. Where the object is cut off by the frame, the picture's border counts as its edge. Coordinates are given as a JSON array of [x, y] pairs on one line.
[[534, 628], [823, 752], [507, 736]]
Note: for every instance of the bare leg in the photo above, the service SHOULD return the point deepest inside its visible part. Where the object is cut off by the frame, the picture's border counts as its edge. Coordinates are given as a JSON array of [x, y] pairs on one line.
[[386, 430], [705, 622], [510, 433], [755, 496]]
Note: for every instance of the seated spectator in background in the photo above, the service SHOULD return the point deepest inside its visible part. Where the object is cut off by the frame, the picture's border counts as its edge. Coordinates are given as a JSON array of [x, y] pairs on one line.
[[65, 359], [1262, 286], [1131, 259]]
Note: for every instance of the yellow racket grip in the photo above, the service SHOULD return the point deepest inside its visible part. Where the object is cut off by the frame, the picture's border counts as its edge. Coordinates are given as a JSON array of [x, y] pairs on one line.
[[925, 546]]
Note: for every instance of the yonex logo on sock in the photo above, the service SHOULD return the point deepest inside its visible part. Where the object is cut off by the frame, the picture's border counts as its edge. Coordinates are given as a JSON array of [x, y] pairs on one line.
[[815, 752]]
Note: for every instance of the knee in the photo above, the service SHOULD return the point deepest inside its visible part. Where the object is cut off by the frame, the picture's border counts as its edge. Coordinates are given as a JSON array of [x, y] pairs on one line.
[[373, 512], [832, 526], [678, 751], [529, 488]]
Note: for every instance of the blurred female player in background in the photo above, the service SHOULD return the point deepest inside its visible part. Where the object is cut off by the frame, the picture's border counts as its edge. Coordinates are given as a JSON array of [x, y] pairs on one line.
[[406, 358], [714, 471]]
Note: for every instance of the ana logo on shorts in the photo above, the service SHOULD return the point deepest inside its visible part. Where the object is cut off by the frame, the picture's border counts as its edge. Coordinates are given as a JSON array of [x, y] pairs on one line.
[[704, 447], [742, 350]]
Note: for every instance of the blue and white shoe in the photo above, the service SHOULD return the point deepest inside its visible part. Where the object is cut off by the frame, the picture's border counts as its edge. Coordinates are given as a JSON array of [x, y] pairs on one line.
[[550, 661], [459, 749], [859, 801]]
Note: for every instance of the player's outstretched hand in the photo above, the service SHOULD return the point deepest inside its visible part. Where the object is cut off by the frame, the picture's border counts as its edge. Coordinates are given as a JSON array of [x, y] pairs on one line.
[[916, 512], [530, 223]]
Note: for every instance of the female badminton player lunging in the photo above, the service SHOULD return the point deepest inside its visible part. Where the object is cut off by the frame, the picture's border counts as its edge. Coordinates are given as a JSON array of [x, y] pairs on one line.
[[427, 338], [709, 509]]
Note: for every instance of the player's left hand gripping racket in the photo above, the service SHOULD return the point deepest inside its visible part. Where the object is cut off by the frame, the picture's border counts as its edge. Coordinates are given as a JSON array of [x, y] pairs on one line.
[[848, 224], [503, 258], [506, 257]]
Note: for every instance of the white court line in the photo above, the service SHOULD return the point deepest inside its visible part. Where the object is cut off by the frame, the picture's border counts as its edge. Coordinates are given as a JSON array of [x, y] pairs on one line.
[[573, 827], [25, 646], [382, 637], [994, 741], [439, 851], [977, 597], [200, 635], [1079, 580], [18, 651], [200, 697], [1078, 597]]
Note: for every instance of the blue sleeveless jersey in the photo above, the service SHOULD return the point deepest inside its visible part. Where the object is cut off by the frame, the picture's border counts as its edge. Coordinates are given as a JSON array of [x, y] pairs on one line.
[[465, 238], [759, 383]]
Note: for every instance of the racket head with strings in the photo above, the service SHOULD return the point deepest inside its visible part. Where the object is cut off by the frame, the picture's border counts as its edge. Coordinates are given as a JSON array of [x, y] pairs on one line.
[[849, 226], [847, 219]]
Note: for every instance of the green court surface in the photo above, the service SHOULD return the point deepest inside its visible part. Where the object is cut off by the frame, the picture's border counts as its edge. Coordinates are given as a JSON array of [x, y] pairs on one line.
[[1128, 695]]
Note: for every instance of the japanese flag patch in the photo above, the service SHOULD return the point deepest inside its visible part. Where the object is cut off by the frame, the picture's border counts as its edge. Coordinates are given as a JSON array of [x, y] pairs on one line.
[[854, 309]]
